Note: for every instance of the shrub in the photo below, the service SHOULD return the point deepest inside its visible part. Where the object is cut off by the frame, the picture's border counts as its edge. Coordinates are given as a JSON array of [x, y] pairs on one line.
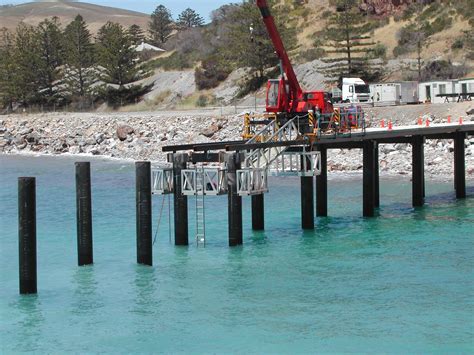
[[400, 50], [326, 14], [202, 101], [175, 61], [123, 95], [311, 54], [430, 11], [211, 73], [457, 44], [378, 51], [440, 24], [251, 84], [442, 69]]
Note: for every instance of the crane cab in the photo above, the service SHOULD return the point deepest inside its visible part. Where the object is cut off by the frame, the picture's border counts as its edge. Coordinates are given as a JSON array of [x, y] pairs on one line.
[[277, 97]]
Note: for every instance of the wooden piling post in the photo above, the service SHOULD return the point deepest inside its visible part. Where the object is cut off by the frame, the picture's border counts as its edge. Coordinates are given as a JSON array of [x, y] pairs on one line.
[[180, 201], [258, 212], [418, 167], [322, 185], [234, 200], [84, 213], [368, 184], [27, 234], [144, 213], [459, 165]]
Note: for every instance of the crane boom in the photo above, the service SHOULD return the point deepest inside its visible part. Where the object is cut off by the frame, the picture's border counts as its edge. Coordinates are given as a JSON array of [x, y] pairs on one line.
[[295, 90]]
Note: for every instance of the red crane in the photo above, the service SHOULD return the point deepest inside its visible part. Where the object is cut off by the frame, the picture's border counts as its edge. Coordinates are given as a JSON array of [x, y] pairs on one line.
[[285, 95]]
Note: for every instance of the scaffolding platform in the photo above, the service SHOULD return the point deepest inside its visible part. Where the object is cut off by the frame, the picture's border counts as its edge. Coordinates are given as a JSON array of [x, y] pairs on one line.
[[204, 180], [252, 181], [162, 181]]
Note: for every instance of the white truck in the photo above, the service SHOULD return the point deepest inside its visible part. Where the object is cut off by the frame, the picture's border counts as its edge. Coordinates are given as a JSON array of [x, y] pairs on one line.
[[355, 90]]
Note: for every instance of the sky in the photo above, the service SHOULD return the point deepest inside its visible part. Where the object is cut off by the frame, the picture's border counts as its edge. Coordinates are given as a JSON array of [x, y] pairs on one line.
[[203, 7]]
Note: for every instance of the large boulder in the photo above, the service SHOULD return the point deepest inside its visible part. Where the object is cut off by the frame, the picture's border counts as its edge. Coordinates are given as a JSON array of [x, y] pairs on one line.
[[33, 138], [210, 131], [123, 131]]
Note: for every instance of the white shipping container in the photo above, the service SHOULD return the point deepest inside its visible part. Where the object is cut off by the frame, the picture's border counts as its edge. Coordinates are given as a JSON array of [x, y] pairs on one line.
[[386, 94], [409, 92]]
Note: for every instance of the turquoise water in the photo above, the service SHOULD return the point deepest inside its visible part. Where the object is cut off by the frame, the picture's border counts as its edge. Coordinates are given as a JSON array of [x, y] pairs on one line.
[[401, 282]]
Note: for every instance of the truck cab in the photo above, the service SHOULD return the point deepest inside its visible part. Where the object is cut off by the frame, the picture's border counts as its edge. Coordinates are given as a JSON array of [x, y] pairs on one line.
[[355, 90]]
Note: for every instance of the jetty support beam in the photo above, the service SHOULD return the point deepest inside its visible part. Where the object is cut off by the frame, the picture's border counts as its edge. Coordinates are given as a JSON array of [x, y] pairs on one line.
[[181, 231], [258, 212], [234, 200], [418, 171], [322, 184], [368, 179], [459, 165]]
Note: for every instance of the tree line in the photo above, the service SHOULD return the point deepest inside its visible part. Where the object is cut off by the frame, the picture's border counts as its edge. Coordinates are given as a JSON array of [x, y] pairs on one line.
[[50, 66]]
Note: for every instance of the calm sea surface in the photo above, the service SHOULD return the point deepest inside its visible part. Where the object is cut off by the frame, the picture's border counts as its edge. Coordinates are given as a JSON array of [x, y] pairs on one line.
[[401, 282]]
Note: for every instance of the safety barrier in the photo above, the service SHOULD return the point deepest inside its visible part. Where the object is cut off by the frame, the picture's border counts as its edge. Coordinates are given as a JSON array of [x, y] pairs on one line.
[[162, 181], [252, 181], [204, 181]]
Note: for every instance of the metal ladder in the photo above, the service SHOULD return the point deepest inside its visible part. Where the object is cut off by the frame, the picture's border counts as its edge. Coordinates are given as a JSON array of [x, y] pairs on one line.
[[200, 211]]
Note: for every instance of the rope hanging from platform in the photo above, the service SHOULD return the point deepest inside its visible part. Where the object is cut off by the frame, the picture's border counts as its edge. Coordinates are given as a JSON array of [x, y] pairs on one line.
[[159, 219]]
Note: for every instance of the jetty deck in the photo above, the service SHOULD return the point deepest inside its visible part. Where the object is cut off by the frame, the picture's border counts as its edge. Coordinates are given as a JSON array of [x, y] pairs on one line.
[[234, 153]]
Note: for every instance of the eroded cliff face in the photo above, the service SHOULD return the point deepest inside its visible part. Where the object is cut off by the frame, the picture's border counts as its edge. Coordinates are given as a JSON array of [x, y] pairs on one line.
[[388, 7]]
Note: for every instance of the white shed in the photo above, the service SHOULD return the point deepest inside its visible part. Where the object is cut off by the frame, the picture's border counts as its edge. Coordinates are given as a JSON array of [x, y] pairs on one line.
[[428, 91], [465, 86], [397, 93], [385, 94]]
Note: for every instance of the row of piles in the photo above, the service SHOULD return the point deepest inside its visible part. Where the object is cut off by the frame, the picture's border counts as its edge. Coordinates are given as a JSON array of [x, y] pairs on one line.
[[27, 222]]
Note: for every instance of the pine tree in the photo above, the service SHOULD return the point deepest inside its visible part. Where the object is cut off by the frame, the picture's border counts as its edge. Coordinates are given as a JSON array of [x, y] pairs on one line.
[[136, 34], [247, 42], [116, 55], [348, 37], [50, 42], [8, 69], [79, 59], [161, 25], [189, 18], [27, 56]]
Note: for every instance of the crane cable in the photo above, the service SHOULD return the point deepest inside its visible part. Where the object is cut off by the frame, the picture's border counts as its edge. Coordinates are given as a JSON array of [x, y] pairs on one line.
[[159, 219]]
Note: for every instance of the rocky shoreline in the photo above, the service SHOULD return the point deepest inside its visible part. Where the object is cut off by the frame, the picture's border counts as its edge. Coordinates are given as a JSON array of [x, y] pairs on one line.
[[140, 136]]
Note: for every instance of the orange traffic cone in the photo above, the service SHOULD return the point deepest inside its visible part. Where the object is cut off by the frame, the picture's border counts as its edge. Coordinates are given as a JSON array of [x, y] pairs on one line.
[[460, 119], [382, 124], [390, 125], [449, 119]]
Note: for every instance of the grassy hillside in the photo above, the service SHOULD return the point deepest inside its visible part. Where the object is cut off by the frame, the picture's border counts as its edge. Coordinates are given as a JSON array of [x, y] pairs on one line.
[[95, 15], [453, 19]]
